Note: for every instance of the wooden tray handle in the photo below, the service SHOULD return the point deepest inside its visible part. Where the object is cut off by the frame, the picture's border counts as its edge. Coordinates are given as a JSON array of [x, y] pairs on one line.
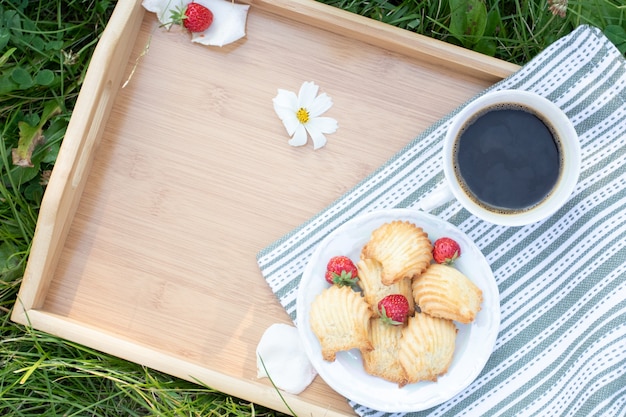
[[91, 112]]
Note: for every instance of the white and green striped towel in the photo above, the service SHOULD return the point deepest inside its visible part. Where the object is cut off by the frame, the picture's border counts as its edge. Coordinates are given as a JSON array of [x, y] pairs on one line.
[[561, 348]]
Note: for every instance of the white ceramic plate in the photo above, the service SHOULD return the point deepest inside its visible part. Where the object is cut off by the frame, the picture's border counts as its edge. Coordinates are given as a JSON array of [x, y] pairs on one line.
[[474, 342]]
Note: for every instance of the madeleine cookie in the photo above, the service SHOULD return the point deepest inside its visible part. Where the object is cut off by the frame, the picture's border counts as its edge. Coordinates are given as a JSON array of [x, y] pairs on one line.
[[402, 248], [443, 291], [340, 318], [383, 361], [426, 347], [370, 282]]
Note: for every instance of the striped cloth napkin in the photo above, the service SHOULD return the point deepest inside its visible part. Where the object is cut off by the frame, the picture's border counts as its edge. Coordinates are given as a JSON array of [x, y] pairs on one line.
[[561, 347]]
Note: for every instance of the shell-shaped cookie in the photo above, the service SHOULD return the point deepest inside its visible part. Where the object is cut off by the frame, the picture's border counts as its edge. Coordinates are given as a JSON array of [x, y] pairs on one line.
[[444, 291], [339, 318], [383, 361], [403, 249], [426, 347], [370, 282]]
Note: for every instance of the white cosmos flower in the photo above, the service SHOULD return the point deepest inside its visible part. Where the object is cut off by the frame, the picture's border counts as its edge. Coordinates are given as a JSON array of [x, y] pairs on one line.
[[301, 114]]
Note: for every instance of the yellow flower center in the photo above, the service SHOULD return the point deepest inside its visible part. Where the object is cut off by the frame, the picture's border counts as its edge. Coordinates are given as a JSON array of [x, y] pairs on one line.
[[303, 115]]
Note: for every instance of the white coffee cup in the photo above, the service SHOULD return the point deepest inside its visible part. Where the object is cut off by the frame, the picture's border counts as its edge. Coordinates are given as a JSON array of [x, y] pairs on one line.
[[569, 152]]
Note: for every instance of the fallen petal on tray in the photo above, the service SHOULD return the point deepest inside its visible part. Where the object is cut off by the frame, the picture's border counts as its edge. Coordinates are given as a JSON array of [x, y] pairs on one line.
[[229, 19], [280, 356]]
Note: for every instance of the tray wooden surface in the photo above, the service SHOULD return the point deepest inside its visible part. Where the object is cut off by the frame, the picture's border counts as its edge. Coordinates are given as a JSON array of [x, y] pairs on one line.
[[165, 190]]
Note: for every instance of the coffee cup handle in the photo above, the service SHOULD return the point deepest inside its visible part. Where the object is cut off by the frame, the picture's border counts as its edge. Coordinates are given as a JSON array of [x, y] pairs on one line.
[[438, 197]]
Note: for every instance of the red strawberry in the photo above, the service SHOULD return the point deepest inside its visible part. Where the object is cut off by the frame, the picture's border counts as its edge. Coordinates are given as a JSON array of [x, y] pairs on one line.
[[446, 251], [394, 309], [194, 17], [341, 271]]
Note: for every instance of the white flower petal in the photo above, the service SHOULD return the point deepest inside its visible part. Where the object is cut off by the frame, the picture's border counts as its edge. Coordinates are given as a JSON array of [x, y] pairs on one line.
[[307, 94], [284, 104], [299, 138], [289, 119], [317, 127], [229, 23], [229, 19], [287, 99], [318, 138], [323, 124], [163, 8], [280, 356], [320, 104]]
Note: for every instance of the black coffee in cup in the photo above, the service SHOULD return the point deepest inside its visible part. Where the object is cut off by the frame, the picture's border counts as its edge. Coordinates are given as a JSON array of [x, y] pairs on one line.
[[507, 158]]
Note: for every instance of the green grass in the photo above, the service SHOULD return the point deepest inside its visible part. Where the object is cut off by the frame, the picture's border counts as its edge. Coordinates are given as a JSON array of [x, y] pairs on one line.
[[45, 47], [41, 375], [512, 30]]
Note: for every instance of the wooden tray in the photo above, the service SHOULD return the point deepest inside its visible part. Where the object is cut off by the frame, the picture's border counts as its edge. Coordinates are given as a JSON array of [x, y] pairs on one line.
[[165, 190]]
